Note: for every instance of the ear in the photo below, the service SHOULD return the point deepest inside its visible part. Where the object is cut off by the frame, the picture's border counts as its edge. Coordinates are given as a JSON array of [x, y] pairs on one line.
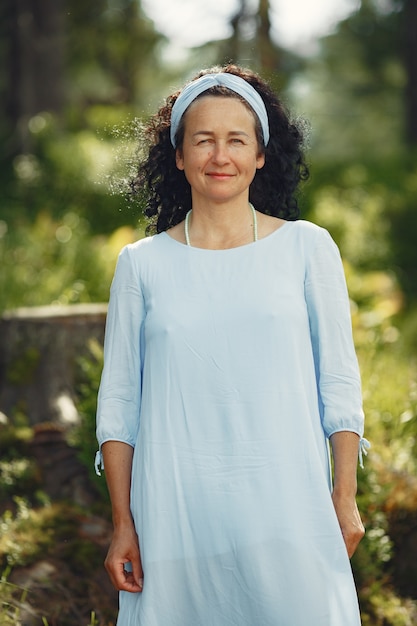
[[179, 159], [260, 161]]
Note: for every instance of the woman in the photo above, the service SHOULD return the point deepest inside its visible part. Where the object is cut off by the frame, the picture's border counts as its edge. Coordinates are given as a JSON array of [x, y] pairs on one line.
[[229, 364]]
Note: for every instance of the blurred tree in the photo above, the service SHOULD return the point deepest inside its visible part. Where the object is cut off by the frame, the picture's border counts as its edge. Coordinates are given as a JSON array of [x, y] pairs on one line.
[[112, 48], [360, 94], [251, 43], [365, 83], [73, 71], [69, 52], [33, 45], [232, 47], [354, 88], [410, 58], [269, 53]]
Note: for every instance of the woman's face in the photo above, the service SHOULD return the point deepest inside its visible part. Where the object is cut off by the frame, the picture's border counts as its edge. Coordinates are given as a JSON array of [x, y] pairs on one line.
[[220, 152]]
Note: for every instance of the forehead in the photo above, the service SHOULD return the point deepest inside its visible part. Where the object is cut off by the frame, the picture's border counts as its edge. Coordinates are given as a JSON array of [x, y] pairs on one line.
[[219, 110]]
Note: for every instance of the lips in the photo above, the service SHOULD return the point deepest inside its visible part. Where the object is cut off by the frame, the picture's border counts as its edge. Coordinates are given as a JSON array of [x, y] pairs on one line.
[[219, 175]]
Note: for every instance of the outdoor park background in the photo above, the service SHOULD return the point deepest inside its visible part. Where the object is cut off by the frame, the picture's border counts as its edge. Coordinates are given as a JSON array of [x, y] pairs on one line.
[[76, 78]]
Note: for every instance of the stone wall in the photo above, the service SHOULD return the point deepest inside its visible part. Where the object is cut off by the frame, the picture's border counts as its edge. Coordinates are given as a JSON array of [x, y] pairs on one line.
[[39, 348]]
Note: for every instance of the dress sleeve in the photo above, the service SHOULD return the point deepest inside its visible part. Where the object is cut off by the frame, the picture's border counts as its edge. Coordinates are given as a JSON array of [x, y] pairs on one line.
[[120, 387], [337, 370]]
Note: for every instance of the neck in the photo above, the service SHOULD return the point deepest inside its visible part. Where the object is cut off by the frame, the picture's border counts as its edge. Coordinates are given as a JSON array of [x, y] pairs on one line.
[[221, 229]]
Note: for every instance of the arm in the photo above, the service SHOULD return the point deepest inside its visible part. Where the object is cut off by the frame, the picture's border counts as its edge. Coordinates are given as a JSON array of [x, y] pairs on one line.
[[124, 547], [338, 379], [118, 411], [345, 458]]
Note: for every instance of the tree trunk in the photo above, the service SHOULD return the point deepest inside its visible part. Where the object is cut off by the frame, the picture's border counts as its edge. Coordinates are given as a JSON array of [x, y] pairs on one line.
[[232, 52], [36, 58], [410, 37], [268, 56]]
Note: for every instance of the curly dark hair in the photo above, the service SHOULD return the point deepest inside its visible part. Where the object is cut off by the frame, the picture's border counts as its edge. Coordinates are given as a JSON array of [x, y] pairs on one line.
[[164, 188]]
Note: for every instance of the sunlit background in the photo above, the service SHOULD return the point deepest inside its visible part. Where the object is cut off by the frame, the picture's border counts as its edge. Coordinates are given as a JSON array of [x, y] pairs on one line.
[[77, 80], [296, 24]]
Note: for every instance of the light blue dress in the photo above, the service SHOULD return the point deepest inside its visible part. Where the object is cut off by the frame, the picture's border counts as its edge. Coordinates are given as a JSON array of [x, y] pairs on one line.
[[227, 370]]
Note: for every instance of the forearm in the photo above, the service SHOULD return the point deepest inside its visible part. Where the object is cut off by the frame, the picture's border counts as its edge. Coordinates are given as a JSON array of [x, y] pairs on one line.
[[345, 447], [117, 457], [124, 547]]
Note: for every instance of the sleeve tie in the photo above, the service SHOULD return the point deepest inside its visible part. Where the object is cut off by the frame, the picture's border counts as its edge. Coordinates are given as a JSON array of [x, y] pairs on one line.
[[98, 462], [364, 446]]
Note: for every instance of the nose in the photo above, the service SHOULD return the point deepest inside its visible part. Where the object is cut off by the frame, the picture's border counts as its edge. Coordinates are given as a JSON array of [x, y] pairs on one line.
[[220, 153]]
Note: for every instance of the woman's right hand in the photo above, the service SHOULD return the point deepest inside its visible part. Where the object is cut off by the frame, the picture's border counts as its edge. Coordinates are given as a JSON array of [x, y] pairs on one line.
[[124, 548]]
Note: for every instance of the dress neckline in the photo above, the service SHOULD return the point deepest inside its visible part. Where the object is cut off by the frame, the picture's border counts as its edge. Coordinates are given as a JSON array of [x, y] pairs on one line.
[[228, 250]]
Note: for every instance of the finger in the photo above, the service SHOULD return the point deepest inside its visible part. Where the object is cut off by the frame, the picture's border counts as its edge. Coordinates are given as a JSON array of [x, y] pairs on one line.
[[116, 574], [130, 584], [137, 572], [124, 581]]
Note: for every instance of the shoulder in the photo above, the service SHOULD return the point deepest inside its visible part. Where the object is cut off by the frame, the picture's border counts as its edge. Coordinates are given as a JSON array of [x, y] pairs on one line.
[[311, 243], [309, 229], [268, 224], [144, 248], [310, 234], [140, 246], [135, 258]]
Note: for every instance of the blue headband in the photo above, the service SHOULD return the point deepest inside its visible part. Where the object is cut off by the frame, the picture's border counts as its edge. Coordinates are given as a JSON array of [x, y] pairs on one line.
[[231, 81]]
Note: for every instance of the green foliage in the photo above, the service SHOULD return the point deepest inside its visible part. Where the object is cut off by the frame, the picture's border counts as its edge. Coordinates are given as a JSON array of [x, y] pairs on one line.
[[11, 598], [389, 375], [84, 437], [18, 474], [29, 254], [370, 208], [353, 89], [387, 609], [363, 187], [26, 535], [112, 48], [352, 209], [57, 262], [50, 536], [72, 172], [390, 399]]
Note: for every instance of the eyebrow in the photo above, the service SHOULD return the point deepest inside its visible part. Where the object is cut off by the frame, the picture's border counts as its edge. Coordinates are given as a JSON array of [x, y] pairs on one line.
[[210, 132]]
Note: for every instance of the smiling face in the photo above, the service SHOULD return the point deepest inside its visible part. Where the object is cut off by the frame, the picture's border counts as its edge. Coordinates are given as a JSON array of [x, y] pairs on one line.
[[220, 152]]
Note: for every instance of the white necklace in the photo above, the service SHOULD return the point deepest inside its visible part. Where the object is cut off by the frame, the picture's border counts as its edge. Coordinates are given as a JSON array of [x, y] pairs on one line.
[[187, 225]]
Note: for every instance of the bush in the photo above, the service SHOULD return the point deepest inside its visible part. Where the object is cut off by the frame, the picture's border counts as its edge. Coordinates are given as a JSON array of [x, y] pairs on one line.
[[57, 262]]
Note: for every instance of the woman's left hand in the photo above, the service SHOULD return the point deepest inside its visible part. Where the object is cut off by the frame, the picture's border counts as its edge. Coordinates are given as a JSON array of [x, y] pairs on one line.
[[349, 520]]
